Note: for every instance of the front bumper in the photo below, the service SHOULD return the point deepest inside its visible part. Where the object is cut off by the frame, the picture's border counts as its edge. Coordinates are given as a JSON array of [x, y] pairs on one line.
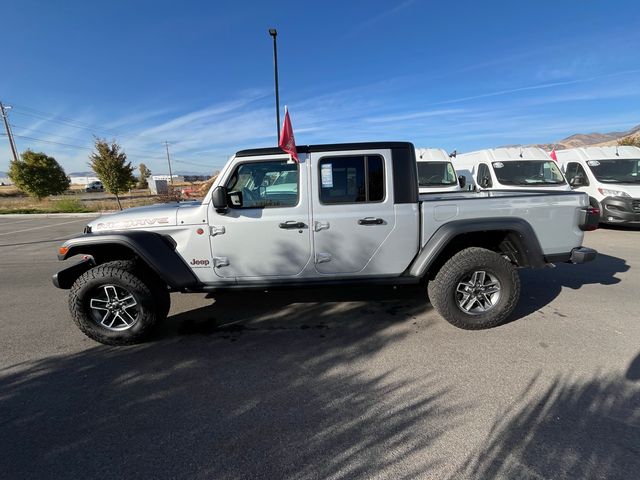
[[620, 210]]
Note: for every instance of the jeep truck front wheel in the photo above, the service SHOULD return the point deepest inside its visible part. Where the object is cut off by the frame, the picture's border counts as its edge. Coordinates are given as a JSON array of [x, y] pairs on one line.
[[113, 306], [475, 289]]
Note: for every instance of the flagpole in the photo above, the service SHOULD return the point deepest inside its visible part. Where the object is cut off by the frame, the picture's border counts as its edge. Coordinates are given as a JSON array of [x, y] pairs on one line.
[[274, 33]]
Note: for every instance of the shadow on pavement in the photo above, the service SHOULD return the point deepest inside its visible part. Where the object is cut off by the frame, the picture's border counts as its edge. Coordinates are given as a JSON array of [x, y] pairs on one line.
[[293, 396], [541, 287], [633, 372], [575, 429]]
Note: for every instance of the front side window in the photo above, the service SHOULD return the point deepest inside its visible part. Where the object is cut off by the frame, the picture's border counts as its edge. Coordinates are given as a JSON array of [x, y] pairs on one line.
[[575, 170], [351, 179], [436, 174], [528, 173], [484, 177], [623, 170], [266, 184]]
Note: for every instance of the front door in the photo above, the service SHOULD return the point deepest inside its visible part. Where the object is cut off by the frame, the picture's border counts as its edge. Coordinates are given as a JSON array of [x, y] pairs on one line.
[[268, 236], [353, 212]]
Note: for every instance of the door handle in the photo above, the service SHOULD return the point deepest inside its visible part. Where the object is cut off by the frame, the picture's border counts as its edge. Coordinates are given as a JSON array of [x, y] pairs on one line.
[[370, 221], [292, 224]]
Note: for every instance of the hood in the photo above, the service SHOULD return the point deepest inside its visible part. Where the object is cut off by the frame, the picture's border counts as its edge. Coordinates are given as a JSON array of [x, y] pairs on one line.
[[152, 216]]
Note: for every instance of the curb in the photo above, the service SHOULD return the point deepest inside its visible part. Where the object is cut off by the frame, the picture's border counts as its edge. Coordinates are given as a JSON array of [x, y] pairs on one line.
[[53, 215]]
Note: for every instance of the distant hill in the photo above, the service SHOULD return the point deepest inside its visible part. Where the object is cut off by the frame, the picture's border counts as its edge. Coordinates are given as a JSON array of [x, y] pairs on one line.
[[590, 139]]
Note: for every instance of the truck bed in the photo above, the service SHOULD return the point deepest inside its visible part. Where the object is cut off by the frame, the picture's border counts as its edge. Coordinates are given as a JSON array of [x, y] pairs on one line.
[[553, 215]]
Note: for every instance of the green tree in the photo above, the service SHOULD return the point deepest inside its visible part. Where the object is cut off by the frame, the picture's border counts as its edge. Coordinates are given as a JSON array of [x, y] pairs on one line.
[[145, 173], [38, 175], [631, 141], [111, 166]]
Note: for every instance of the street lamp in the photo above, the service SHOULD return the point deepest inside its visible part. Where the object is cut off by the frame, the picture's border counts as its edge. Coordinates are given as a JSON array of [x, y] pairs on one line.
[[273, 32]]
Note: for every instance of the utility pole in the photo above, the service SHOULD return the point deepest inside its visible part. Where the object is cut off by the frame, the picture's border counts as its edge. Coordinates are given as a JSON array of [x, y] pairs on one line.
[[273, 32], [3, 110], [166, 144]]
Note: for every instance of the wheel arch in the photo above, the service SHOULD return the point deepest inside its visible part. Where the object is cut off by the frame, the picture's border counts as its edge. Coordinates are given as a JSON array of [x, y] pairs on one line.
[[513, 237], [156, 251]]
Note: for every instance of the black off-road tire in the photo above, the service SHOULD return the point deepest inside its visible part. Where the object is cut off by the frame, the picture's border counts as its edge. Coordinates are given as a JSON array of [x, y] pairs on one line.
[[160, 291], [443, 289], [85, 288]]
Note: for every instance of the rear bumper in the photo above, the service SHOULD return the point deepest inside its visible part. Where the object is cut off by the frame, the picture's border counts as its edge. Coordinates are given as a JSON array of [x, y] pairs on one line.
[[620, 210], [577, 255]]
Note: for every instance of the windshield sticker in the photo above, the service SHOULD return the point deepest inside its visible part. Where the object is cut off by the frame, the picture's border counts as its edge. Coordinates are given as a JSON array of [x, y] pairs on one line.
[[498, 164], [326, 175], [593, 163]]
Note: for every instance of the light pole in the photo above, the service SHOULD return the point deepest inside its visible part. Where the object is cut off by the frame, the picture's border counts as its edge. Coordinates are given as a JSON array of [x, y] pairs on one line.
[[274, 33]]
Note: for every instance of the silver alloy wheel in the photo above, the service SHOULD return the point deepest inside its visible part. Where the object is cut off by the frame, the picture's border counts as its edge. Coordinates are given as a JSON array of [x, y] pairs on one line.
[[478, 292], [114, 308]]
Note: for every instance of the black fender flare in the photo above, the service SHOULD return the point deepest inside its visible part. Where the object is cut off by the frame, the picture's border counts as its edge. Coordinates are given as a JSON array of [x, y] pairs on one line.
[[529, 244], [157, 251]]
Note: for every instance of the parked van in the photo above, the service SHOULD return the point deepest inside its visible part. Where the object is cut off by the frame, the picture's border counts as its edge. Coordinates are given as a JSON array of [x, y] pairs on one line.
[[436, 173], [611, 177], [510, 168]]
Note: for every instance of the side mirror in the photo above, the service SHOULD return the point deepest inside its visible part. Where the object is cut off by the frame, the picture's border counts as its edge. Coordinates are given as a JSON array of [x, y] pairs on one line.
[[219, 199], [484, 182], [462, 181], [577, 181]]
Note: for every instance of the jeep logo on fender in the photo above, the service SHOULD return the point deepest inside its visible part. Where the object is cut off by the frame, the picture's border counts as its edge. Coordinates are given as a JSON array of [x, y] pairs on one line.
[[199, 263]]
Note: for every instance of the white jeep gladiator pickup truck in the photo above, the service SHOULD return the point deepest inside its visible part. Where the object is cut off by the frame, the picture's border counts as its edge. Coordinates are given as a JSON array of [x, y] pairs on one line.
[[346, 213]]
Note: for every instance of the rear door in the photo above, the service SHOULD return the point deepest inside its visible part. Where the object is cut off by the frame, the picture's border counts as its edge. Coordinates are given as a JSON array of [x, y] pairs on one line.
[[353, 212], [268, 236]]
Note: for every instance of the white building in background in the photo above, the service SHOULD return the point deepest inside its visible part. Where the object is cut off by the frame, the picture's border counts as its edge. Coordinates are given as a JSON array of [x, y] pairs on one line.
[[176, 178], [83, 180], [5, 180]]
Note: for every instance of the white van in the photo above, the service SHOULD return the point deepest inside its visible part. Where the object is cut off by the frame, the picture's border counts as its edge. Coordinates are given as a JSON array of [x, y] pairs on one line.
[[436, 173], [510, 168], [611, 177]]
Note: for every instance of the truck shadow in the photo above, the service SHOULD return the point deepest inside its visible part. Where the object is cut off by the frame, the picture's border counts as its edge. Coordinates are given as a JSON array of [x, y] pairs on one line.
[[541, 287], [573, 429], [315, 309], [294, 396]]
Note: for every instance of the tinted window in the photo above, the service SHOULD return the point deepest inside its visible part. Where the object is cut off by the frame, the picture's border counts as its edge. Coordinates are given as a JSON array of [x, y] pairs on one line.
[[623, 170], [483, 173], [528, 173], [266, 184], [353, 179], [436, 174]]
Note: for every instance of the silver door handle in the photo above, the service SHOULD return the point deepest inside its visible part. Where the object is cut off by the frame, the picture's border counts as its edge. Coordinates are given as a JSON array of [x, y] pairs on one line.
[[317, 226]]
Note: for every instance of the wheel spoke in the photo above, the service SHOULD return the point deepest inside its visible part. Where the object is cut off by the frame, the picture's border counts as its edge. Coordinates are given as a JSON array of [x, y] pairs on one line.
[[128, 302], [110, 292], [98, 304], [132, 320], [469, 302]]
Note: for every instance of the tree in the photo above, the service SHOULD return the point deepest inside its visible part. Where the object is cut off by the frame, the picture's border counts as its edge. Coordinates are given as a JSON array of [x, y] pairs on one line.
[[631, 141], [38, 175], [112, 168], [145, 173]]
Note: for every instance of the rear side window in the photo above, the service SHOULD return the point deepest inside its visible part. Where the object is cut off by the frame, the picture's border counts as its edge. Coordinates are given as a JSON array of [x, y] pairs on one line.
[[351, 179]]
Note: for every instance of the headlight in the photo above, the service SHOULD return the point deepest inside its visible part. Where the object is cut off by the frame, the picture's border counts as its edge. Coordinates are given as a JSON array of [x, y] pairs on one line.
[[613, 193]]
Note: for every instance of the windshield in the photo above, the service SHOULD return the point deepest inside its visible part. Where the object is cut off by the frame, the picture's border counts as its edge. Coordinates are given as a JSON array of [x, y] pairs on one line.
[[434, 174], [624, 170], [528, 173]]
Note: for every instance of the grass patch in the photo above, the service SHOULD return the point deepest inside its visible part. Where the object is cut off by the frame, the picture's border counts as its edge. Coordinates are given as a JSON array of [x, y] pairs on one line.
[[65, 205]]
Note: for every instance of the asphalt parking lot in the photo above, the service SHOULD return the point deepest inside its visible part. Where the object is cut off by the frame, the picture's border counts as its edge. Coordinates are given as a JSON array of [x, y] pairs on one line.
[[324, 384]]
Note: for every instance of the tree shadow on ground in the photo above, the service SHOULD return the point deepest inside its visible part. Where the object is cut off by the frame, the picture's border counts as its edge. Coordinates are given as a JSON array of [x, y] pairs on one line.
[[541, 286], [289, 394], [574, 429]]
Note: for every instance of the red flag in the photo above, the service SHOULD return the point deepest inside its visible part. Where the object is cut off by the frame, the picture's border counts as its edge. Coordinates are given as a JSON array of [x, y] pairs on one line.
[[553, 155], [287, 140]]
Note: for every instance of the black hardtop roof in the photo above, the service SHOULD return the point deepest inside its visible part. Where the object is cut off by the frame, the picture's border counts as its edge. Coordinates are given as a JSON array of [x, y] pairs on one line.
[[329, 147]]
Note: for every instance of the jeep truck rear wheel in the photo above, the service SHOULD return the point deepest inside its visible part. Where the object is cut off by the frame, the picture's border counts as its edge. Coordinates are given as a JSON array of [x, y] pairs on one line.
[[475, 289], [113, 306]]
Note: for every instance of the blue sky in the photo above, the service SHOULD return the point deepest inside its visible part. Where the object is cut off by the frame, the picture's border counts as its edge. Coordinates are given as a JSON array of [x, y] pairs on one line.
[[457, 75]]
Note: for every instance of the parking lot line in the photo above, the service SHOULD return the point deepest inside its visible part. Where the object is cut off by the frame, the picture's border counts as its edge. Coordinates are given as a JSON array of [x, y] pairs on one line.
[[44, 226], [19, 221]]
